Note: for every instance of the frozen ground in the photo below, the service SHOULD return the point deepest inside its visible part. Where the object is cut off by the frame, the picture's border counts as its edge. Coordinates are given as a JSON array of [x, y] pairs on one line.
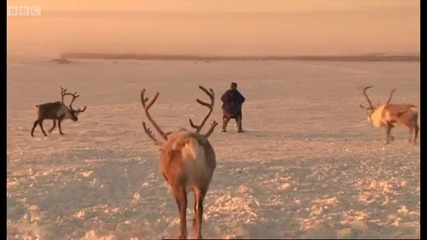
[[309, 166]]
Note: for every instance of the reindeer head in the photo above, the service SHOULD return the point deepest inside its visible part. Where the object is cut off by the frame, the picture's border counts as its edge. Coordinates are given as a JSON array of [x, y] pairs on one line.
[[73, 112], [146, 104], [371, 108]]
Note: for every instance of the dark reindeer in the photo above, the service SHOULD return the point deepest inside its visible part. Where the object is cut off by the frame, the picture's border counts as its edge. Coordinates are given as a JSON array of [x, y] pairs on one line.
[[56, 111], [187, 161], [389, 115]]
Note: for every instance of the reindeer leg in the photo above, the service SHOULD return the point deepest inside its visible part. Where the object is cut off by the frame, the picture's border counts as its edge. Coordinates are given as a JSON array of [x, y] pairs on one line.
[[181, 200], [59, 124], [411, 130], [34, 127], [416, 128], [53, 127], [41, 126], [389, 127], [195, 209], [199, 196]]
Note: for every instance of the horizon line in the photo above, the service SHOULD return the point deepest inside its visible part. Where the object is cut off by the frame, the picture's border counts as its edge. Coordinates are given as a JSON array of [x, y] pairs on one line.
[[208, 57]]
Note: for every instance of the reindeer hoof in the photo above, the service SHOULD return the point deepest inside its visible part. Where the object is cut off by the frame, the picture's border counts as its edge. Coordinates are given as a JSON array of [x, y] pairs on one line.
[[182, 237]]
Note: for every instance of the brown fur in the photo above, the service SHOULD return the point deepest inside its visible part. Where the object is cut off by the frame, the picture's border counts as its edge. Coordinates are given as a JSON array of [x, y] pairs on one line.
[[404, 115], [56, 111], [187, 163], [52, 111], [390, 115]]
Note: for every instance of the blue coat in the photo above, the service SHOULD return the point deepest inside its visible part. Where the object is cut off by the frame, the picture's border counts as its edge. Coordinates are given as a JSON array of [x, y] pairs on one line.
[[232, 101]]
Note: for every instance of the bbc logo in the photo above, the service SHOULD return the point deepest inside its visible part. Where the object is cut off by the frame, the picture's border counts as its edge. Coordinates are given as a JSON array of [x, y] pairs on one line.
[[24, 10]]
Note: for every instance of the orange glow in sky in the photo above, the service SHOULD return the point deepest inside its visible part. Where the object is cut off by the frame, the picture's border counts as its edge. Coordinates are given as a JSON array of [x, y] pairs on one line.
[[218, 27]]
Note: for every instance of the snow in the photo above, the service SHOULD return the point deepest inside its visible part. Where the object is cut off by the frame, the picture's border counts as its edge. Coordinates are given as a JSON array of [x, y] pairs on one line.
[[308, 166]]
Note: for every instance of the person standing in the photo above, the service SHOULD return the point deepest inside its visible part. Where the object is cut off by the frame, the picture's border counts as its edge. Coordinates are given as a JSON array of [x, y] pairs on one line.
[[232, 101]]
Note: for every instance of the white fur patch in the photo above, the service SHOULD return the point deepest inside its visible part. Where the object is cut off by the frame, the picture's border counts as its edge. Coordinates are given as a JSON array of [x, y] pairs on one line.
[[377, 118], [193, 155], [193, 151]]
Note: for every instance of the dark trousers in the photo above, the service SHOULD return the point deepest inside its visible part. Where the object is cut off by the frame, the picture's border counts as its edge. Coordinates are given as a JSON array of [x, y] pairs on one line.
[[226, 118]]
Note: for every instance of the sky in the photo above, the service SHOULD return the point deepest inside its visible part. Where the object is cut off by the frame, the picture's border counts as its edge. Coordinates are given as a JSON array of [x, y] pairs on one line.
[[217, 27]]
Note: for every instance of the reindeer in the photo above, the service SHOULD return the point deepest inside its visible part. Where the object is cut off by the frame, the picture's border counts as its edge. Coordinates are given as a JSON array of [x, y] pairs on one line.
[[56, 111], [187, 161], [389, 114]]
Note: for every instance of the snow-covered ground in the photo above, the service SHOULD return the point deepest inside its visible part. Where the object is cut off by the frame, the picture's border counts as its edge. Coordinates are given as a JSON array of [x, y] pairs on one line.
[[308, 165]]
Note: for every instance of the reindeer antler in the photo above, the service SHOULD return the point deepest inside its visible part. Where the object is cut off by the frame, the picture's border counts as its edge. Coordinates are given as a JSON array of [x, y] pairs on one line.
[[213, 125], [366, 95], [211, 95], [63, 93], [81, 110], [146, 107], [74, 96], [391, 95], [151, 135]]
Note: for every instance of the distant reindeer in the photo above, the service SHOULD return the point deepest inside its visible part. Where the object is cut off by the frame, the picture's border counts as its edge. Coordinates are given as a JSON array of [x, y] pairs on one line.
[[389, 114], [56, 111], [187, 161]]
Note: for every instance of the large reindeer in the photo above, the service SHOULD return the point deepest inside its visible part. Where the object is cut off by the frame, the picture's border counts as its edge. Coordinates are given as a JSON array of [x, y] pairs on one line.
[[187, 161], [389, 114], [56, 111]]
